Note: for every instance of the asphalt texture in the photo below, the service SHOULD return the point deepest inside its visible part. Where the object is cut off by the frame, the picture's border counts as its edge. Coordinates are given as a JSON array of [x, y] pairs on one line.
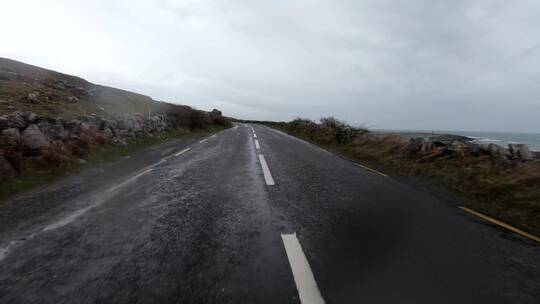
[[202, 226]]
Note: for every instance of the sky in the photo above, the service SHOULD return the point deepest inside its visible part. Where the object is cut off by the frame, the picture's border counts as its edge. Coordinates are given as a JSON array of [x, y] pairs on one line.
[[402, 64]]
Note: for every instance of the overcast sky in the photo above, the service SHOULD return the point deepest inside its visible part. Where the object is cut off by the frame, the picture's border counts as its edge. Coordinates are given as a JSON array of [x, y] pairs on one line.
[[409, 64]]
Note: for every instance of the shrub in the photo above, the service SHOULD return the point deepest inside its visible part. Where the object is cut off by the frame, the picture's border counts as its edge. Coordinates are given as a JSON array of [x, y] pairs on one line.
[[55, 153], [87, 143]]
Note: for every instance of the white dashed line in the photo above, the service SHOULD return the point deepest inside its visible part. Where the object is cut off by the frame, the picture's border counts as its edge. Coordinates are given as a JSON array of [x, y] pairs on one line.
[[203, 141], [129, 180], [371, 170], [213, 136], [303, 276], [254, 135], [257, 146], [266, 171], [182, 152]]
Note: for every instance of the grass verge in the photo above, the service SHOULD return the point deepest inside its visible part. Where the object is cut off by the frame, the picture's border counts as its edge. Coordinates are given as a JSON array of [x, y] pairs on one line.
[[507, 191], [106, 153]]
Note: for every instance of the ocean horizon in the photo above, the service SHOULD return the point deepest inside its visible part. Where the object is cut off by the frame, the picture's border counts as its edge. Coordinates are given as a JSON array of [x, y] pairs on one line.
[[532, 140]]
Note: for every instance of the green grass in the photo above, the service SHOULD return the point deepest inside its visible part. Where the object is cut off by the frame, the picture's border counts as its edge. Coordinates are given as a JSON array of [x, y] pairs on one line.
[[37, 178], [107, 153]]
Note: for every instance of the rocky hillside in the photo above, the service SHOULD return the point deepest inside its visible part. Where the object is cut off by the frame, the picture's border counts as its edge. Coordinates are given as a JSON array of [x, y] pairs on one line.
[[26, 87], [48, 119]]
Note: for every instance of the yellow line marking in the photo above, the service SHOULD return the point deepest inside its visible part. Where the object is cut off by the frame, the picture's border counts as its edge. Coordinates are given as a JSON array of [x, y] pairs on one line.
[[504, 225], [372, 170]]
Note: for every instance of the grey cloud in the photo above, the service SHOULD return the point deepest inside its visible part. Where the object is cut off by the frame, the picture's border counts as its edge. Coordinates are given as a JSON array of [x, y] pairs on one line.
[[415, 64]]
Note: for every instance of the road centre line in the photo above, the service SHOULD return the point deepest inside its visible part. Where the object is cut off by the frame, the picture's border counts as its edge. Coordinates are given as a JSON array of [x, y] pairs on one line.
[[257, 146], [266, 171], [203, 141], [499, 223], [254, 135], [182, 152], [303, 276], [372, 170]]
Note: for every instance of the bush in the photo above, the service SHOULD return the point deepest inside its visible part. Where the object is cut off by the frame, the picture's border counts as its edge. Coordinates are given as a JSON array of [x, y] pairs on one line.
[[329, 131], [55, 153], [87, 143]]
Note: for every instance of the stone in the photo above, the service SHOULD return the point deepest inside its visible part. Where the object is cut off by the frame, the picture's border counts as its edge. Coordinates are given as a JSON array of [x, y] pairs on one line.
[[458, 147], [496, 151], [13, 120], [33, 97], [91, 121], [108, 133], [71, 99], [520, 151], [33, 138], [6, 169], [76, 127], [60, 85], [4, 123], [53, 129], [30, 117], [11, 135]]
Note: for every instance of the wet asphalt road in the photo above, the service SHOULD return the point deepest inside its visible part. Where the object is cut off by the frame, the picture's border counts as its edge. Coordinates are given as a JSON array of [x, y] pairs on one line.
[[203, 226]]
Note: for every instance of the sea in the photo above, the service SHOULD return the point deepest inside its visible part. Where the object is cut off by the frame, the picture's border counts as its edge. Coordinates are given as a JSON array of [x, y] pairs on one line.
[[532, 140]]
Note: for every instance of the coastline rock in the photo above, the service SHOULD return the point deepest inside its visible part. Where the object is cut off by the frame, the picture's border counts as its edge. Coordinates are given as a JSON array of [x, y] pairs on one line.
[[520, 151], [458, 147], [497, 151], [33, 138]]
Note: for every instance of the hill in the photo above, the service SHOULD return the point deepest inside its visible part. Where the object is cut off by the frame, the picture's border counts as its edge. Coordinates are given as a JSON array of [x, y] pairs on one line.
[[25, 87]]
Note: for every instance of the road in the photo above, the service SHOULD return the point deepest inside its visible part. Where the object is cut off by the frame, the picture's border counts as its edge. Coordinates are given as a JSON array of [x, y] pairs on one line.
[[236, 219]]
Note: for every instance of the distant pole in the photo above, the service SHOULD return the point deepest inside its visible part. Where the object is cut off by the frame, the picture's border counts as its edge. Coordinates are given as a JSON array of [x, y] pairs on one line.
[[148, 113]]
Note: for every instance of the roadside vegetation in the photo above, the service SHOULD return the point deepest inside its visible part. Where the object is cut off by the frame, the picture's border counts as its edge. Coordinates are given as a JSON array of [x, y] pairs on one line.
[[52, 124], [492, 181], [58, 160]]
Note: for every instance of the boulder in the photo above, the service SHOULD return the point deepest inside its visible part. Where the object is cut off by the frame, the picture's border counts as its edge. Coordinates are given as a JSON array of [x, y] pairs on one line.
[[13, 120], [415, 144], [425, 144], [520, 151], [459, 147], [53, 129], [30, 117], [11, 134], [495, 151], [108, 133], [76, 126], [33, 138], [4, 123], [33, 97], [71, 99], [91, 121], [6, 169]]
